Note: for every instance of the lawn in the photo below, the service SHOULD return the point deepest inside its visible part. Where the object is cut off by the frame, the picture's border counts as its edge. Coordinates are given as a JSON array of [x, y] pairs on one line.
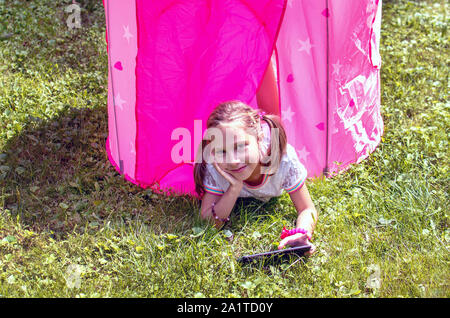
[[71, 226]]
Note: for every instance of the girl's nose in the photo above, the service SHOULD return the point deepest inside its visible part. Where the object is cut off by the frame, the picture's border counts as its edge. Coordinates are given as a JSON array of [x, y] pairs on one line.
[[234, 159]]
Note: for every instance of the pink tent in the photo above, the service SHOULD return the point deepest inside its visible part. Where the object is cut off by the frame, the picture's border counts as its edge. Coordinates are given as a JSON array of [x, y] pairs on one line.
[[172, 61]]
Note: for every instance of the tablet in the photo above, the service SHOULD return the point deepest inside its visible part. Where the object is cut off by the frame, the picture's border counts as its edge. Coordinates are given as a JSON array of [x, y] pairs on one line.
[[275, 256]]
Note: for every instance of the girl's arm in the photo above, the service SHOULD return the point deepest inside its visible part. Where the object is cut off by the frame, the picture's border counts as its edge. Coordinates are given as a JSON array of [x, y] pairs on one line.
[[307, 218], [307, 214], [223, 205]]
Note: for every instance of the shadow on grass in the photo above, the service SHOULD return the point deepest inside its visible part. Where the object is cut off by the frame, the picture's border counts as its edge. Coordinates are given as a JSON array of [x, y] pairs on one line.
[[253, 209], [37, 34], [56, 176]]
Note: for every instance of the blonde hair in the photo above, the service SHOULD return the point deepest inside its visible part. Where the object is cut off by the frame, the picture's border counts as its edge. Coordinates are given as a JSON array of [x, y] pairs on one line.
[[249, 120]]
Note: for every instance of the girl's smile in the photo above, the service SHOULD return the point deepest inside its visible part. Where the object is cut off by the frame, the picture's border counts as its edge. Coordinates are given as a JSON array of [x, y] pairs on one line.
[[240, 169]]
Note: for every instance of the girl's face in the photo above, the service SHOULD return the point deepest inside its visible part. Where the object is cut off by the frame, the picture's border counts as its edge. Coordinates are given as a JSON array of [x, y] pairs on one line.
[[238, 153]]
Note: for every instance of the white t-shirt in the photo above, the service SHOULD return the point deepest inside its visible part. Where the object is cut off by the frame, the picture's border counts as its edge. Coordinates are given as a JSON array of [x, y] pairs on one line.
[[290, 176]]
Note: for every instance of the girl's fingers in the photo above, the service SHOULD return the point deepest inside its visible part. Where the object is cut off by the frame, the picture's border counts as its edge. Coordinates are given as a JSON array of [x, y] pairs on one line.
[[290, 240], [282, 244], [227, 176], [220, 170], [222, 173], [294, 240], [311, 251]]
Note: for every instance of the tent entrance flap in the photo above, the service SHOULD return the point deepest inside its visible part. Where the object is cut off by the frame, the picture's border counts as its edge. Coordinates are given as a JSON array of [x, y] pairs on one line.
[[170, 62]]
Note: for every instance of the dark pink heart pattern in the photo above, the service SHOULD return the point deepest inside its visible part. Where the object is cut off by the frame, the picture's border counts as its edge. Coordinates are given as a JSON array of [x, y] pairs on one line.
[[290, 78], [320, 126], [326, 13], [118, 66]]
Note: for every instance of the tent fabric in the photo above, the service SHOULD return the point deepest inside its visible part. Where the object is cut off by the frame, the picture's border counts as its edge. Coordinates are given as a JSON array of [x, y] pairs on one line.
[[172, 61]]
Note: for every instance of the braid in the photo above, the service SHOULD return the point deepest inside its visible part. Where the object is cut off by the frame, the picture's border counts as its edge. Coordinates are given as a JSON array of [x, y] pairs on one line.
[[278, 142]]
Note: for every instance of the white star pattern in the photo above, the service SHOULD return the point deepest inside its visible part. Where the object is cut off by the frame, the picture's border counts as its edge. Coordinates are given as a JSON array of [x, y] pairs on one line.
[[127, 35], [336, 68], [305, 46], [133, 152], [119, 101], [287, 115], [335, 130], [302, 154], [290, 3], [342, 123]]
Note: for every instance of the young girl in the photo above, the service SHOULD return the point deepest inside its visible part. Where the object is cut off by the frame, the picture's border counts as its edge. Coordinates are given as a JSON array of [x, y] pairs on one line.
[[240, 167]]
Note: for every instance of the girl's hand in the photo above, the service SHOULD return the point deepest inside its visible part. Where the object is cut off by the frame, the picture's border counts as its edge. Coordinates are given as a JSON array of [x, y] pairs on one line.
[[235, 183], [297, 240]]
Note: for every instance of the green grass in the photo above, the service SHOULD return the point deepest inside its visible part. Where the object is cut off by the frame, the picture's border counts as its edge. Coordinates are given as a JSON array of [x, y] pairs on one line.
[[62, 203]]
